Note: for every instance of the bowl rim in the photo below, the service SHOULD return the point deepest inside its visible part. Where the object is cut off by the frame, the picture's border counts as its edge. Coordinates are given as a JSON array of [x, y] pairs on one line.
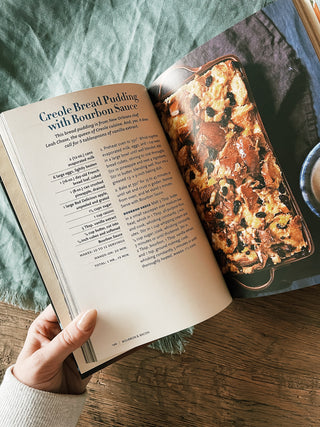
[[305, 179]]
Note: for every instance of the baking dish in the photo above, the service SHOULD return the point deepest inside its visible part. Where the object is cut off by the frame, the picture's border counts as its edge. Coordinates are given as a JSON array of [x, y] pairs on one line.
[[246, 205]]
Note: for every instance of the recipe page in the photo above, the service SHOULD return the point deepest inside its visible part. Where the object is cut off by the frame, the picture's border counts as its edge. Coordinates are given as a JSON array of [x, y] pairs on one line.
[[115, 216]]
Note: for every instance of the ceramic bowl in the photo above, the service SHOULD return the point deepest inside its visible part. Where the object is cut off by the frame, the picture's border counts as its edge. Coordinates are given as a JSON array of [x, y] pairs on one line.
[[305, 179]]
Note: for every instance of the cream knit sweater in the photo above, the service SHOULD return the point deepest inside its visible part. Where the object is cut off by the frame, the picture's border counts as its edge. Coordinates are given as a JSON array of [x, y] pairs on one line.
[[23, 406]]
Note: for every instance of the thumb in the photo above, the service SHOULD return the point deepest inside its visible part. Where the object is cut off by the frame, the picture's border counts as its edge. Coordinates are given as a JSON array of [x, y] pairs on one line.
[[71, 337]]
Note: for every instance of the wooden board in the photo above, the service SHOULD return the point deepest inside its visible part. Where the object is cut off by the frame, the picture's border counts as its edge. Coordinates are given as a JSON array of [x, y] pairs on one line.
[[255, 364]]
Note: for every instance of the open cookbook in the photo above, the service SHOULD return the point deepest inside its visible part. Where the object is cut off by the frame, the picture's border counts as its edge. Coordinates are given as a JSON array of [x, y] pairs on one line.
[[158, 205]]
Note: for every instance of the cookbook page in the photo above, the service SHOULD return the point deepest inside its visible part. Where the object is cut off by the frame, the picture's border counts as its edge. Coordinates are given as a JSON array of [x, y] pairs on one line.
[[117, 222], [233, 114], [310, 14]]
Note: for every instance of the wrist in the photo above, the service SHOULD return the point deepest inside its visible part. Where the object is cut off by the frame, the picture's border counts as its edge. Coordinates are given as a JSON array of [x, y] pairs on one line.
[[23, 404]]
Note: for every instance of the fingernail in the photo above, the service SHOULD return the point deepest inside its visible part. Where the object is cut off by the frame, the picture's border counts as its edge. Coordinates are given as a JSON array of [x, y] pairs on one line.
[[87, 320]]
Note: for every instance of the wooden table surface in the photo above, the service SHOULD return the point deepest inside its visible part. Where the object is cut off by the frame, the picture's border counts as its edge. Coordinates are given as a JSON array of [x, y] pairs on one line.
[[255, 364]]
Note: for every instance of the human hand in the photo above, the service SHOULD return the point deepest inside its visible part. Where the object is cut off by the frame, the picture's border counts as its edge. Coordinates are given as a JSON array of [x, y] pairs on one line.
[[45, 362]]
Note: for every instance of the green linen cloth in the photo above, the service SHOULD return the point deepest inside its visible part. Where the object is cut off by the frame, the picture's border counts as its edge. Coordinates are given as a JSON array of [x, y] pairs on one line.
[[51, 47]]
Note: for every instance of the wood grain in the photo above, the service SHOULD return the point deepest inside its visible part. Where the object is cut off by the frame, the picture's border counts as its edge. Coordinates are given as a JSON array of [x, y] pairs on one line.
[[255, 364]]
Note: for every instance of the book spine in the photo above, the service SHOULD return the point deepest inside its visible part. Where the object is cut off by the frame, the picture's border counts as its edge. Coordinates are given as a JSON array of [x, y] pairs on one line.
[[310, 16]]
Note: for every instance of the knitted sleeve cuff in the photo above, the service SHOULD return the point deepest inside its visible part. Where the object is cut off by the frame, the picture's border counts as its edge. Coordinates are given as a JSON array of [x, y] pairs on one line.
[[24, 406]]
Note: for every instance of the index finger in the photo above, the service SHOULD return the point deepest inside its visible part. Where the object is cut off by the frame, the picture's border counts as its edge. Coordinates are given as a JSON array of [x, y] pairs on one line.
[[46, 325], [48, 314], [42, 330]]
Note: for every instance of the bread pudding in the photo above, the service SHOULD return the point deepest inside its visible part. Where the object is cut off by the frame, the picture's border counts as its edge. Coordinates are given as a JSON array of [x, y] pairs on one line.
[[231, 171]]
